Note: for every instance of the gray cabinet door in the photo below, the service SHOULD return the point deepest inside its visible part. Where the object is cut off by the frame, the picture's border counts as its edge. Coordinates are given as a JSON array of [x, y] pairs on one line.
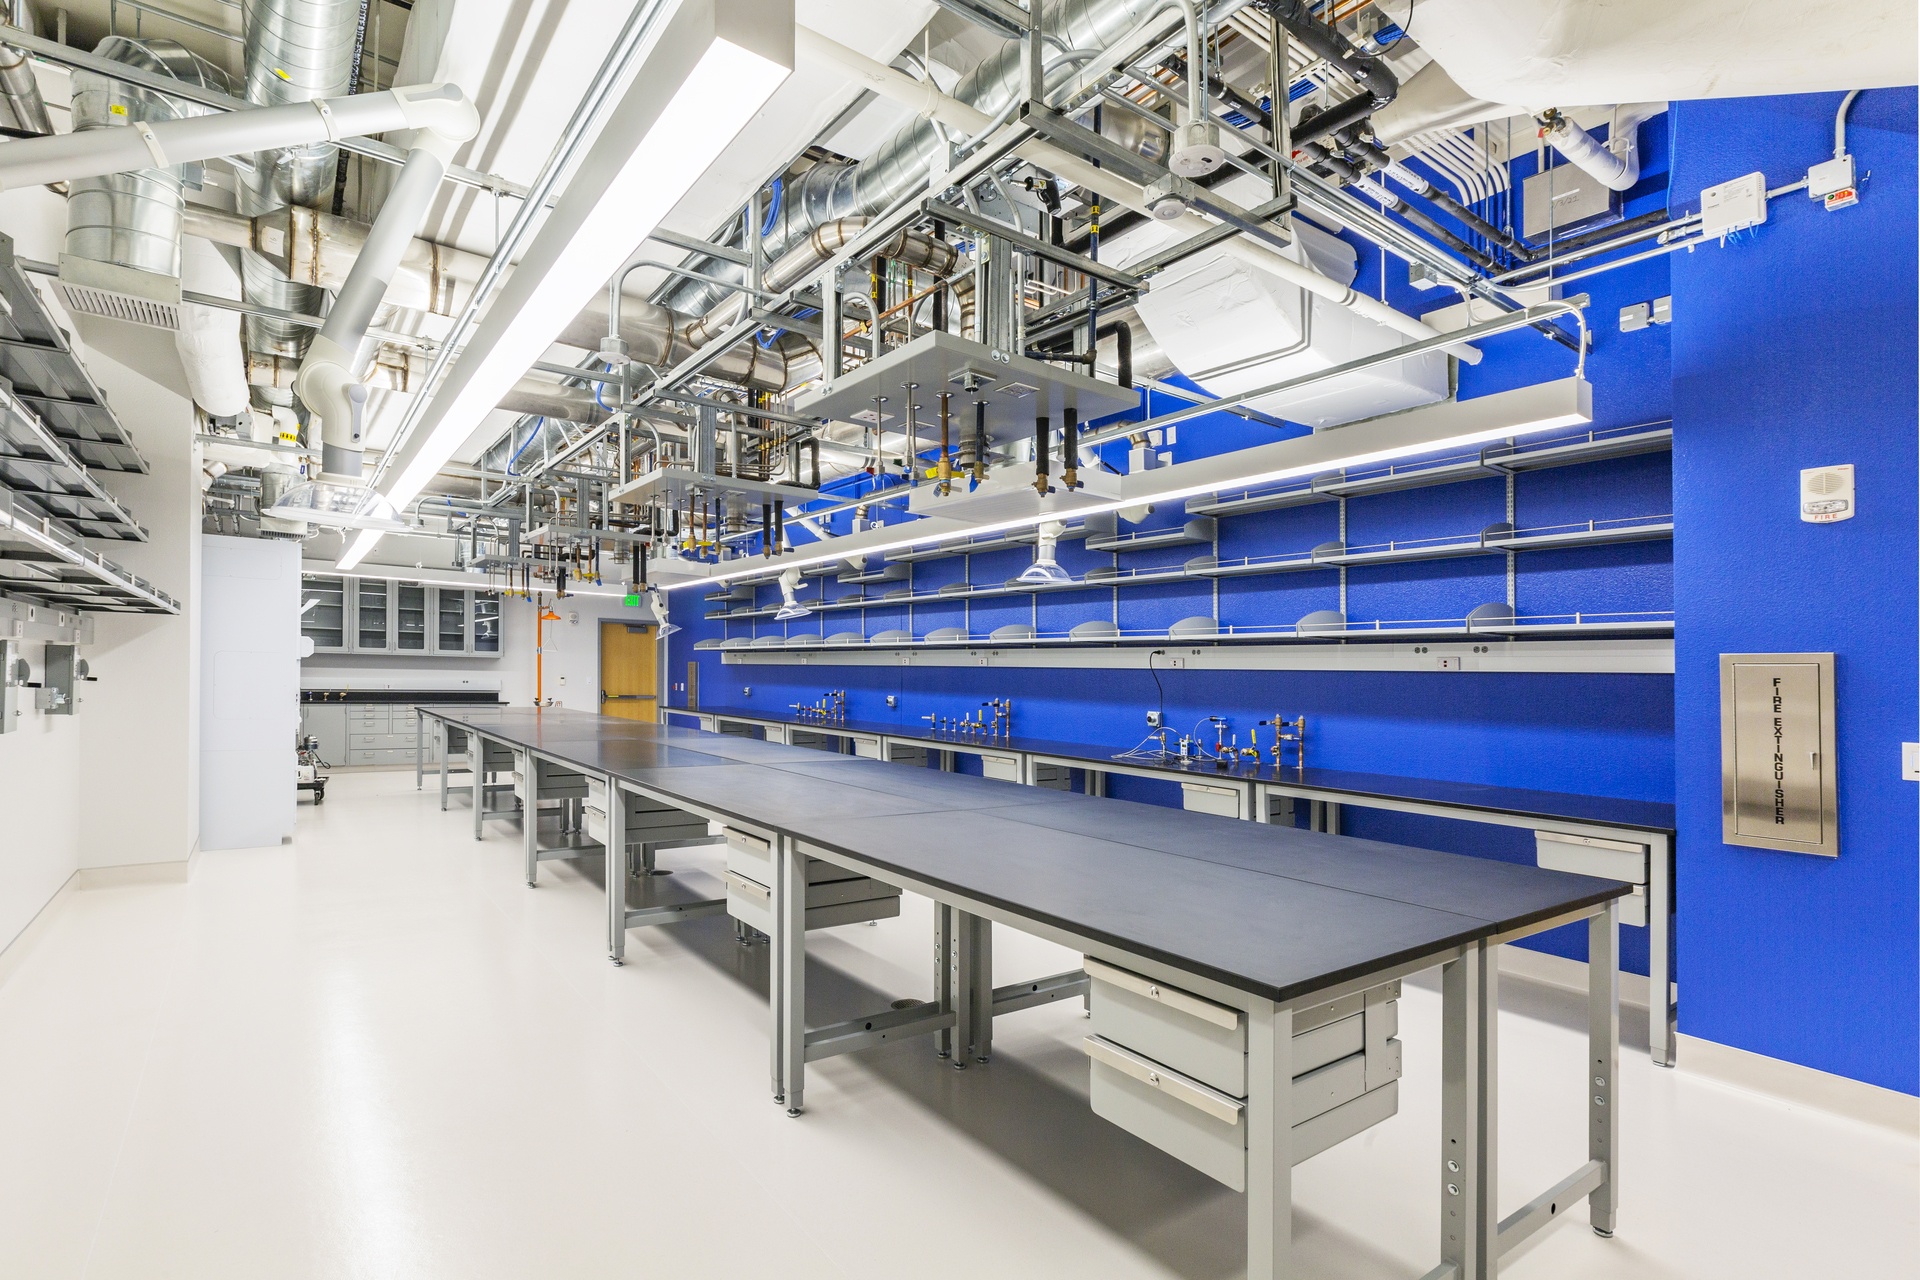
[[327, 722]]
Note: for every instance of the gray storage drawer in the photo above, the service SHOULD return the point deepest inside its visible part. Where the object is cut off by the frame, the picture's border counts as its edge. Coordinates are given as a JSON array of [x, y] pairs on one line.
[[1202, 797], [557, 782], [903, 753], [1196, 1036], [1597, 856], [648, 821], [835, 895], [1170, 1067], [866, 745], [999, 768]]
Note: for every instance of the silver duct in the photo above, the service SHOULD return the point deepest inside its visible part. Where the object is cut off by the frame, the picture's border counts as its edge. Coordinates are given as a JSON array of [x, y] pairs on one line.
[[826, 193], [133, 219], [294, 51], [21, 91]]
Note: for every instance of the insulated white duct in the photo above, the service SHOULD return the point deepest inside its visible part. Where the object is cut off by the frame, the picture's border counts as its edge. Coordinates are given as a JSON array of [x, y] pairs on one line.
[[208, 339], [1564, 53]]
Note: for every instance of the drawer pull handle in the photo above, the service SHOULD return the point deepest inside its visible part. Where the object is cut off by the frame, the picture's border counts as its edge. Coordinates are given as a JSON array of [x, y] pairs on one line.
[[1203, 1098], [748, 888], [1172, 997]]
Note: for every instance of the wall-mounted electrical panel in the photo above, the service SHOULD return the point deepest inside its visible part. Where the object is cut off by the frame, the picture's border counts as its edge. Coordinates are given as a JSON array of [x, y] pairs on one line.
[[1777, 769]]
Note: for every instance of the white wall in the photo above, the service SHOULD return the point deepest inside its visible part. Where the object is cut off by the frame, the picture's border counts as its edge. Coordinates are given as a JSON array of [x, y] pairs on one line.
[[140, 724], [40, 777], [249, 690]]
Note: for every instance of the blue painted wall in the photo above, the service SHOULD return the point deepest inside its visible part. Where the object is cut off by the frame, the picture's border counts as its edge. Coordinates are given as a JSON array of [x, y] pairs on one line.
[[1792, 347], [1795, 347]]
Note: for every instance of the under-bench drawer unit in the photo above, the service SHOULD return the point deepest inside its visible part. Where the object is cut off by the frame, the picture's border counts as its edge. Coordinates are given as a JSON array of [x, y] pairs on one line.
[[1170, 1067], [648, 821], [1598, 856], [835, 895], [557, 781]]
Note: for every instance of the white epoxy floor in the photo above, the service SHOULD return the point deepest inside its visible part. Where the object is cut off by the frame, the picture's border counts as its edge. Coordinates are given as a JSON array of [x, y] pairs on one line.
[[375, 1053]]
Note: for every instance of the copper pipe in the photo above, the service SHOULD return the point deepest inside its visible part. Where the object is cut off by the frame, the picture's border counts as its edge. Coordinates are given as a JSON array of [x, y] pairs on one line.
[[945, 471]]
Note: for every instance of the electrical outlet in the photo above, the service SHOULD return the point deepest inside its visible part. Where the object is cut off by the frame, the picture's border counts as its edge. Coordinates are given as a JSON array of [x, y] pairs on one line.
[[1449, 664], [892, 701], [1910, 761]]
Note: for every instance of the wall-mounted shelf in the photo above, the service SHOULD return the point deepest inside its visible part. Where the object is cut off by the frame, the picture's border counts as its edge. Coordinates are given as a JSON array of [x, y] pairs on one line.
[[1318, 628], [38, 360], [1254, 566], [43, 561], [1594, 533], [1492, 462], [36, 466], [893, 571], [1196, 531]]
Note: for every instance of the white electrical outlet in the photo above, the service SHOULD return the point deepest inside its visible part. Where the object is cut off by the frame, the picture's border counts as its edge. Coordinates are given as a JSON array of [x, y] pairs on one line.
[[1734, 206], [1449, 664], [1826, 494]]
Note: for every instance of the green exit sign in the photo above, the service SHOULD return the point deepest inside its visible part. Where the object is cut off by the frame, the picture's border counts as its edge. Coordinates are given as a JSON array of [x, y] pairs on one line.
[[632, 601]]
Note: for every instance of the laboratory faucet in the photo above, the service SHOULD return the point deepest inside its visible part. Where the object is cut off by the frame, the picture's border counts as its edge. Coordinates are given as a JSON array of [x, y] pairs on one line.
[[1281, 736]]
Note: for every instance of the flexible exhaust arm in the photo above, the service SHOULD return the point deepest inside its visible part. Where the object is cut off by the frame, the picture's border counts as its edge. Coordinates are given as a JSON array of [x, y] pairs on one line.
[[162, 144], [329, 378]]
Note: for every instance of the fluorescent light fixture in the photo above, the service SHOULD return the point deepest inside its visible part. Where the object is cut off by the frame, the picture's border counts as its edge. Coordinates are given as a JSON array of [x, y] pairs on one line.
[[713, 66], [338, 506], [1432, 429]]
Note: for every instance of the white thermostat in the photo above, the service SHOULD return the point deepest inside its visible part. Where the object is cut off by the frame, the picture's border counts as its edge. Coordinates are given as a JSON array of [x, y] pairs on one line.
[[1826, 494]]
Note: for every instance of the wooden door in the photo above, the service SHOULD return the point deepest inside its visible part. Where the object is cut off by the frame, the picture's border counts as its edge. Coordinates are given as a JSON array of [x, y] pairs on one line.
[[629, 673]]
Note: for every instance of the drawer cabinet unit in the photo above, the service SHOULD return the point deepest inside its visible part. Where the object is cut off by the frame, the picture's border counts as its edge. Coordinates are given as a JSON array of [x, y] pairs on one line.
[[1170, 1067], [835, 895], [648, 821]]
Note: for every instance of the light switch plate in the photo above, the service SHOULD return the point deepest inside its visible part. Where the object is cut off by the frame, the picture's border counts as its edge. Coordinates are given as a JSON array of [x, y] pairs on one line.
[[1910, 761]]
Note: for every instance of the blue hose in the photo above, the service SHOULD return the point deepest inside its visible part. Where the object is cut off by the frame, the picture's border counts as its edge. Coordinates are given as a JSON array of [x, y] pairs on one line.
[[773, 210], [538, 423]]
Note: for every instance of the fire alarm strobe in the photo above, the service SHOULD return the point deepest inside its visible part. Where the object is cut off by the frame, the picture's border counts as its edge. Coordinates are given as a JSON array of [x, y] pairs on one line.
[[1826, 494]]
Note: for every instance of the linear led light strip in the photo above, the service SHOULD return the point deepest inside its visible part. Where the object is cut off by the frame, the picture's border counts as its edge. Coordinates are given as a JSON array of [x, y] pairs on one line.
[[1361, 457], [714, 65]]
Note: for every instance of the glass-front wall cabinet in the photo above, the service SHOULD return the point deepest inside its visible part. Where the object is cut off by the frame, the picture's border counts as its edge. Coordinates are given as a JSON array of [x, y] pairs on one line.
[[450, 631], [406, 619], [372, 615], [323, 614], [411, 636], [486, 622]]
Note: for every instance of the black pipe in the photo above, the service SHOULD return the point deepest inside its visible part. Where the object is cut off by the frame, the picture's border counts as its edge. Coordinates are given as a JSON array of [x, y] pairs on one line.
[[1379, 86], [1070, 448], [1042, 451], [940, 289], [1540, 266], [766, 530], [779, 526], [1123, 347], [979, 441]]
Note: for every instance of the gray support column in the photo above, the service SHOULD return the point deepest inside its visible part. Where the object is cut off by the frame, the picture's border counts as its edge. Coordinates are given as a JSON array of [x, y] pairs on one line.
[[943, 974], [419, 749], [980, 972], [1468, 1221], [530, 815], [446, 765], [1269, 1119], [1660, 1002], [965, 991], [476, 763], [1603, 1063], [616, 873], [790, 944]]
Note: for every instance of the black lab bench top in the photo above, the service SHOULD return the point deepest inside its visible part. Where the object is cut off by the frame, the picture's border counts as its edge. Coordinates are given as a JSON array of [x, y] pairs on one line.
[[1269, 910]]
